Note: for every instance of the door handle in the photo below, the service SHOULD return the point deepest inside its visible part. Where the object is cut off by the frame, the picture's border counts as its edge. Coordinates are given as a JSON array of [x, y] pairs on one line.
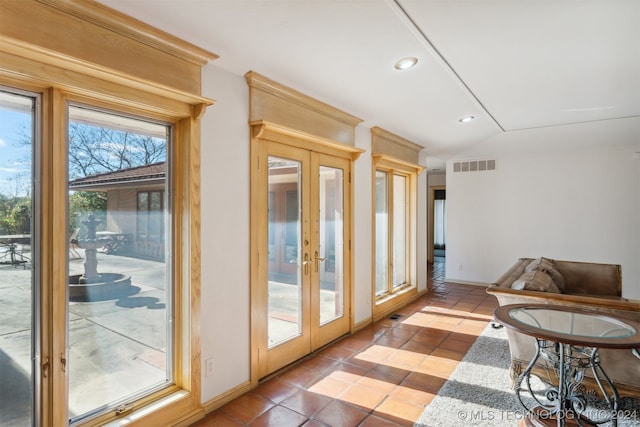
[[306, 263], [319, 260]]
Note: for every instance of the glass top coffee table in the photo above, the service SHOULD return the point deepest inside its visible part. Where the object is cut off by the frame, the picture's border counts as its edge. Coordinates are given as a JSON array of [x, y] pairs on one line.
[[568, 338]]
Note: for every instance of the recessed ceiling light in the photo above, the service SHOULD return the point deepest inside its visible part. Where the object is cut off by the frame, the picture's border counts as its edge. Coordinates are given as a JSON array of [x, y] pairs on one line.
[[406, 63], [467, 119]]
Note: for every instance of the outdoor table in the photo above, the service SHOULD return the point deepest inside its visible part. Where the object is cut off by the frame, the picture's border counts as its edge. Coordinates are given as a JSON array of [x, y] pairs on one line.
[[10, 243]]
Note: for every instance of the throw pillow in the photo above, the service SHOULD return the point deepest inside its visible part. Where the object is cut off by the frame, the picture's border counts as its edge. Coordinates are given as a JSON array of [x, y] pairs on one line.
[[548, 266], [535, 281]]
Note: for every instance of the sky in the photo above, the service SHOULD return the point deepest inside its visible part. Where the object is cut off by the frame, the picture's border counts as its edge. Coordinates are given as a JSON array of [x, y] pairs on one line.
[[15, 157]]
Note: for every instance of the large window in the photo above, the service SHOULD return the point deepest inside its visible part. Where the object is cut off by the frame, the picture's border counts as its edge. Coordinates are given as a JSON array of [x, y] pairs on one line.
[[18, 260], [392, 201], [92, 331], [120, 301]]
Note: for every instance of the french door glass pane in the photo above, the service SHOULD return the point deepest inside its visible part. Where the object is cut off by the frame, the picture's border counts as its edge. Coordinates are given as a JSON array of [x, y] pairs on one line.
[[119, 286], [330, 262], [17, 287], [400, 211], [284, 275], [382, 232]]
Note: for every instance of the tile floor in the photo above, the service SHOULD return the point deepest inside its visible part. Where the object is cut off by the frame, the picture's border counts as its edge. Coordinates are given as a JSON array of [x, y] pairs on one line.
[[384, 375]]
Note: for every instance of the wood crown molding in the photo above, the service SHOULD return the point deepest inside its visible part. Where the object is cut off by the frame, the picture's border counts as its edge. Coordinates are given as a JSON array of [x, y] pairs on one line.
[[125, 25], [87, 37], [284, 135], [390, 144], [275, 103], [395, 163], [269, 86]]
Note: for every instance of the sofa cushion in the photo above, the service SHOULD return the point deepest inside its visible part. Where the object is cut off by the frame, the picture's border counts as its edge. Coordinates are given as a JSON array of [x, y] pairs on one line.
[[548, 266], [536, 280]]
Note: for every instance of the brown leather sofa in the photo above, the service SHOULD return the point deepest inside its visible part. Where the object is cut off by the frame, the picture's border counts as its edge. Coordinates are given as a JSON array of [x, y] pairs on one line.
[[588, 285]]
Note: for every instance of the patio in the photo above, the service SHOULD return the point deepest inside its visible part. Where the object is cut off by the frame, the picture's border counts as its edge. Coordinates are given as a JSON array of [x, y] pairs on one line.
[[116, 346]]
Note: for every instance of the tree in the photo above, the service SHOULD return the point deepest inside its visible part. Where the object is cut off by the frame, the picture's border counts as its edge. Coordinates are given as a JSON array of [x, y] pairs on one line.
[[83, 203], [15, 215], [94, 150]]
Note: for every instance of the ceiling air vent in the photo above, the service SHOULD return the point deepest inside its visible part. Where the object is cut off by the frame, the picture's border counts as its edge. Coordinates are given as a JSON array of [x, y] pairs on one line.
[[474, 166]]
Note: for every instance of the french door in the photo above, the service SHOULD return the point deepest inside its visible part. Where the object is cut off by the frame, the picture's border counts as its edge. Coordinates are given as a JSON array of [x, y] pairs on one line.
[[302, 295]]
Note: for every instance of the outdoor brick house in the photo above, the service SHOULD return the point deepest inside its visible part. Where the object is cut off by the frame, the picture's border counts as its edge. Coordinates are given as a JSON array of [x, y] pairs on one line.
[[130, 193]]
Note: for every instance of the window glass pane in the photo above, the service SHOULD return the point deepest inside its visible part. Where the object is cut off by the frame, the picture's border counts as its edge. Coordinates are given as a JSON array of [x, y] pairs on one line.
[[382, 233], [330, 259], [284, 275], [400, 230], [17, 290], [119, 288]]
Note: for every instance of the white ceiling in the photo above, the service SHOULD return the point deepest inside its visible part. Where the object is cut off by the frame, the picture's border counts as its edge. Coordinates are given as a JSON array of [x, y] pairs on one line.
[[513, 64]]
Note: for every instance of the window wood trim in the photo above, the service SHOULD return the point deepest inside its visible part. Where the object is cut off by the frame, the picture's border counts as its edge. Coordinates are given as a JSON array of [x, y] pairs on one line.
[[275, 103], [280, 114], [394, 154], [273, 132], [36, 56], [160, 58]]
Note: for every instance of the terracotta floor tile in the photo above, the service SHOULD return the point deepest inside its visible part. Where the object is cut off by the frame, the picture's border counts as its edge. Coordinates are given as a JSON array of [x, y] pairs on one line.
[[457, 344], [376, 353], [405, 358], [403, 331], [419, 319], [374, 421], [279, 417], [391, 341], [429, 340], [391, 373], [360, 363], [399, 409], [300, 376], [337, 353], [330, 387], [379, 383], [418, 347], [437, 366], [413, 395], [218, 419], [247, 407], [362, 396], [353, 343], [307, 402], [466, 306], [339, 414], [448, 354], [348, 373], [471, 327], [276, 390], [320, 363], [384, 375], [423, 382], [314, 423]]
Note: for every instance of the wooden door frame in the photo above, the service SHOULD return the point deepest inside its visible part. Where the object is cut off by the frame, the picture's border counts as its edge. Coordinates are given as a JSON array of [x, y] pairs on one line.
[[263, 132], [431, 221]]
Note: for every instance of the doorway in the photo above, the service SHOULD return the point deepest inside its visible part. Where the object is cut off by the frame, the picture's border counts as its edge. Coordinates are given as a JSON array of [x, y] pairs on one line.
[[437, 224], [301, 295]]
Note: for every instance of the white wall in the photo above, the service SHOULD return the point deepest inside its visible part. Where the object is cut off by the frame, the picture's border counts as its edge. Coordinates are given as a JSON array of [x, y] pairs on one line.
[[363, 223], [578, 202], [225, 232]]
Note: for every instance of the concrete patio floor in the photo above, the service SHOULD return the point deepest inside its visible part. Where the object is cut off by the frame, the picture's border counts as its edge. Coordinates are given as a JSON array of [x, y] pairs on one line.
[[116, 346]]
